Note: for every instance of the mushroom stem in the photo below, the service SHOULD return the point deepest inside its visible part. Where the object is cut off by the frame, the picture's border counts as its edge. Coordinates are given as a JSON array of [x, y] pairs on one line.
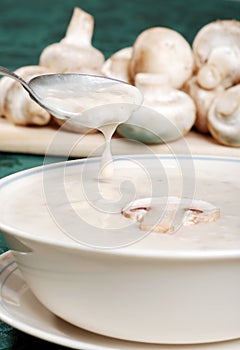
[[81, 27], [209, 77], [222, 68], [203, 99], [224, 117], [228, 104], [150, 83]]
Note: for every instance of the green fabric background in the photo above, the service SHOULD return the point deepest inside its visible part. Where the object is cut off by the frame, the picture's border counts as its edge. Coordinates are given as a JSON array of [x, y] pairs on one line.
[[27, 26]]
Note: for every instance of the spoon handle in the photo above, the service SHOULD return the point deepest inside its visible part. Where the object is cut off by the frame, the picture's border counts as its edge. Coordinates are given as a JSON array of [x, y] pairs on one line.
[[8, 73]]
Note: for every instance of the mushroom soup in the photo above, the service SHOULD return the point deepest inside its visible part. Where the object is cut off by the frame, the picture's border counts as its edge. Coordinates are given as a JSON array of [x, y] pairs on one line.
[[191, 210]]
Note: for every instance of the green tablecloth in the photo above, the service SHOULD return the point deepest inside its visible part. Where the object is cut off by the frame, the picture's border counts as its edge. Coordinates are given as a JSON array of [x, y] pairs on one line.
[[27, 26]]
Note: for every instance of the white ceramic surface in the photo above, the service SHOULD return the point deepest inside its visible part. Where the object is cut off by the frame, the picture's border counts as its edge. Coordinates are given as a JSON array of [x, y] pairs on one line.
[[20, 309], [138, 294]]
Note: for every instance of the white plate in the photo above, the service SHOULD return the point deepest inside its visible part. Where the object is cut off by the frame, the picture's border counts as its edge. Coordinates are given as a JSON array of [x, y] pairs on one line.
[[20, 309]]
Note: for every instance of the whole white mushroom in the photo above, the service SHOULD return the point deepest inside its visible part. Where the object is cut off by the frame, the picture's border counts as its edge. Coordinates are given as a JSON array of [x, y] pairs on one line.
[[161, 50], [74, 53]]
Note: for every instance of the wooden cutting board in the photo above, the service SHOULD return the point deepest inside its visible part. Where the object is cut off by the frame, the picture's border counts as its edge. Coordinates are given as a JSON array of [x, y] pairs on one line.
[[53, 141]]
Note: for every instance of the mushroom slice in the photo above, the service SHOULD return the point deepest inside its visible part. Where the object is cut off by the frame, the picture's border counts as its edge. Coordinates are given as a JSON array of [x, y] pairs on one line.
[[162, 50], [74, 53], [168, 214], [224, 117], [16, 104], [203, 100], [117, 66], [216, 49]]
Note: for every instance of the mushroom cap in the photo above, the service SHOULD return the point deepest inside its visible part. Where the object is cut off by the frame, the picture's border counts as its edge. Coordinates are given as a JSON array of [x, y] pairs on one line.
[[16, 104], [165, 51], [221, 33], [224, 117], [117, 66], [68, 58]]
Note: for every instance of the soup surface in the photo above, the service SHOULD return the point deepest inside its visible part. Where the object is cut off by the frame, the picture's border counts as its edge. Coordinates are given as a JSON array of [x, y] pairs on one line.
[[69, 203]]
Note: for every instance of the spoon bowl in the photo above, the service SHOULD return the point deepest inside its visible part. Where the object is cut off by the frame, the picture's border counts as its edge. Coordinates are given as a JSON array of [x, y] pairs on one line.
[[70, 97]]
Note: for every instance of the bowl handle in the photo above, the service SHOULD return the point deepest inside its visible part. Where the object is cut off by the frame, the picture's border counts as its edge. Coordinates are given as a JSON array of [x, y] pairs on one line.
[[15, 244]]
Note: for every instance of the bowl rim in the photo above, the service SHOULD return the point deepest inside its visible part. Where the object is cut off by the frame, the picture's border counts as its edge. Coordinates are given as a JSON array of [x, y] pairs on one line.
[[126, 251]]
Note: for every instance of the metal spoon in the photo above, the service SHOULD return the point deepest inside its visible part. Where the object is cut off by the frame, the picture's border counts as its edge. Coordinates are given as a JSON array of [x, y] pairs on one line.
[[43, 86]]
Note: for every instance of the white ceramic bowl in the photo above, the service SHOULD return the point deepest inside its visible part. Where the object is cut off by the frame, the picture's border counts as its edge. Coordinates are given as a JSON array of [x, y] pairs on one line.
[[140, 292]]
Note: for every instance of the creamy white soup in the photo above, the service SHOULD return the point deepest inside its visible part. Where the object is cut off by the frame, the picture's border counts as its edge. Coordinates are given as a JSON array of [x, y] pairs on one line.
[[71, 203]]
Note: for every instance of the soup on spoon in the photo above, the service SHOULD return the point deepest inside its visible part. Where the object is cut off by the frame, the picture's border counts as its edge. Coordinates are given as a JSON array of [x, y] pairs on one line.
[[90, 101]]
